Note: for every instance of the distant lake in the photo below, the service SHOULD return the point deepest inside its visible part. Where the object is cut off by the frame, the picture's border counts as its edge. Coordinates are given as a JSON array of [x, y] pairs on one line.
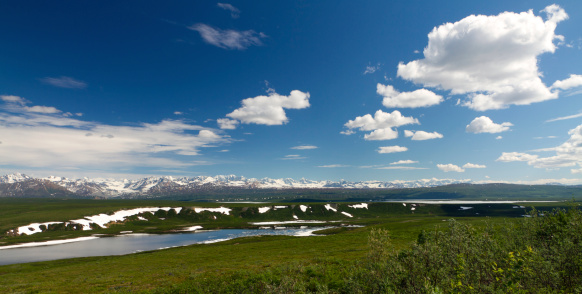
[[132, 243]]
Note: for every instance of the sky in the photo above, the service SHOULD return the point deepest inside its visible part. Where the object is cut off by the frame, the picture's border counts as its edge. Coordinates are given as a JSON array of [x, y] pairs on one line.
[[488, 91]]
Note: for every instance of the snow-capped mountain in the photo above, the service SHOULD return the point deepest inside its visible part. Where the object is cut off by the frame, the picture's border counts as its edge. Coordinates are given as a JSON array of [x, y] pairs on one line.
[[18, 184]]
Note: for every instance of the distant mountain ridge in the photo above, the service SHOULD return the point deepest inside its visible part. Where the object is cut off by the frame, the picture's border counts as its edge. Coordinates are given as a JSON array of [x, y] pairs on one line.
[[21, 185]]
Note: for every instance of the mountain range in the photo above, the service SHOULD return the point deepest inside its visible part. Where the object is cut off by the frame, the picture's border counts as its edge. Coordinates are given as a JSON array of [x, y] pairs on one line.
[[21, 185]]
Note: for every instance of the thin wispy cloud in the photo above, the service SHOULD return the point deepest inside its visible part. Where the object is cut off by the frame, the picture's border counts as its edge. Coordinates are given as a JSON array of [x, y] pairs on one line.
[[565, 117], [333, 166], [234, 12], [228, 39], [293, 157], [64, 82], [304, 147], [46, 137]]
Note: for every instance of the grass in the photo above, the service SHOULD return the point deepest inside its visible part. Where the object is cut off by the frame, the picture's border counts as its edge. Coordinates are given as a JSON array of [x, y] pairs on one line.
[[164, 269]]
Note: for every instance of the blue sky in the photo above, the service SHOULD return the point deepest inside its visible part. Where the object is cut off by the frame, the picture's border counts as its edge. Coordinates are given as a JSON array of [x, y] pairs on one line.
[[326, 90]]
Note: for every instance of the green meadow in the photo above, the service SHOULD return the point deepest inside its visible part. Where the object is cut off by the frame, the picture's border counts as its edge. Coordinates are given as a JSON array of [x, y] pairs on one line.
[[340, 259]]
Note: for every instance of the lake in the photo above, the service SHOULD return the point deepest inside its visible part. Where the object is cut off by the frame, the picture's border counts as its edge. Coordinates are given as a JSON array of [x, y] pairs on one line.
[[132, 243]]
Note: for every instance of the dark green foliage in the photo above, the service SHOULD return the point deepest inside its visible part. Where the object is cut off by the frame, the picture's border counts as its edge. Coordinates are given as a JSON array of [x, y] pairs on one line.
[[539, 254]]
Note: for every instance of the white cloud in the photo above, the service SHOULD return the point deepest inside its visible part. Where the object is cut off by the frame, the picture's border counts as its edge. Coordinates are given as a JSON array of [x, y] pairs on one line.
[[491, 59], [404, 162], [450, 167], [381, 134], [566, 155], [565, 117], [228, 39], [380, 124], [572, 82], [42, 109], [422, 135], [13, 99], [334, 165], [391, 149], [576, 171], [472, 165], [178, 113], [304, 147], [515, 156], [65, 82], [234, 12], [498, 137], [484, 124], [52, 139], [269, 110], [227, 124], [418, 98]]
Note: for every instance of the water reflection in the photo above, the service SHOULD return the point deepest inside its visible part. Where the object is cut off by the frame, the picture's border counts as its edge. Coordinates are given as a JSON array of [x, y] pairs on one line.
[[131, 243]]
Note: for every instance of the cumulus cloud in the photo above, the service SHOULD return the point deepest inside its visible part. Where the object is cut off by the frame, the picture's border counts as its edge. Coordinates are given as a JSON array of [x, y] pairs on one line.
[[228, 39], [418, 98], [391, 149], [422, 135], [450, 167], [65, 82], [234, 12], [380, 124], [484, 124], [568, 154], [48, 138], [381, 134], [491, 59], [516, 156], [227, 124], [472, 165], [304, 147], [269, 110], [572, 82]]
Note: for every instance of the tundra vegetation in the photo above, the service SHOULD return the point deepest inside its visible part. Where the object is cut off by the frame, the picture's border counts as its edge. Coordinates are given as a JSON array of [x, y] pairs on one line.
[[437, 249]]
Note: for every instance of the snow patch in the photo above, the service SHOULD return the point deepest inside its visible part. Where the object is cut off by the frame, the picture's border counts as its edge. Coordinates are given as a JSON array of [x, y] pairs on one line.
[[280, 207], [223, 210], [362, 205], [328, 207], [191, 229], [465, 208], [345, 213], [264, 209], [303, 207], [295, 217]]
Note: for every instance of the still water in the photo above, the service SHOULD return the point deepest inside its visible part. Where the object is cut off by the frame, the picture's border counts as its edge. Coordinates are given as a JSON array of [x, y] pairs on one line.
[[132, 243]]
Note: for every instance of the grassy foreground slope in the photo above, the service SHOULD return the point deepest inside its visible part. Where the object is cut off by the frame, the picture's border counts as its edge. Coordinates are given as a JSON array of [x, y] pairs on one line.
[[350, 260]]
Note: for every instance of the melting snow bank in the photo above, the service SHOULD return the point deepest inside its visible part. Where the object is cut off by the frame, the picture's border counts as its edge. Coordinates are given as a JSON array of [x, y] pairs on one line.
[[191, 229], [363, 205], [347, 214], [47, 243], [100, 219]]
